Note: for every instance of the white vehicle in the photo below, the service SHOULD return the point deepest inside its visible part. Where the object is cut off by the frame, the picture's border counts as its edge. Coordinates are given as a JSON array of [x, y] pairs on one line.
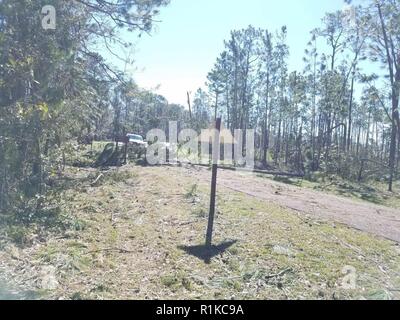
[[136, 140]]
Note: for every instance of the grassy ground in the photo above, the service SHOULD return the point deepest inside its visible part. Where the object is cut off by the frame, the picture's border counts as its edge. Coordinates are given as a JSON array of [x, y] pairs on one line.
[[370, 191], [136, 233]]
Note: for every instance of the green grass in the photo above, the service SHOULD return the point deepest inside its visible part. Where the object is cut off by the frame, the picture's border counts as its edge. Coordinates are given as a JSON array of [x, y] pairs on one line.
[[129, 247]]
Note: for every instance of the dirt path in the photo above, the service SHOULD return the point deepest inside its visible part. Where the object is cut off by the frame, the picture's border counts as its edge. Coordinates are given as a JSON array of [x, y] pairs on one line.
[[375, 219]]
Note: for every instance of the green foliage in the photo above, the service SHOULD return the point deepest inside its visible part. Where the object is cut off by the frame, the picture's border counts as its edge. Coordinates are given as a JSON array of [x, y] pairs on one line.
[[53, 87]]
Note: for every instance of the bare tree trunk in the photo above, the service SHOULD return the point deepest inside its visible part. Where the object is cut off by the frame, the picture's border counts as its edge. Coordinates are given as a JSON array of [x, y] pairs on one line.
[[278, 141], [350, 115], [189, 105], [395, 83]]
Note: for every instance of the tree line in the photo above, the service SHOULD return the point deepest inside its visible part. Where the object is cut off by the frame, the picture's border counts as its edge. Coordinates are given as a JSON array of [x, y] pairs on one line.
[[56, 86], [332, 115], [314, 118]]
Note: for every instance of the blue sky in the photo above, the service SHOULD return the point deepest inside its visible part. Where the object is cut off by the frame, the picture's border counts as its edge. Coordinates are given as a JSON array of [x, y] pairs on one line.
[[185, 44]]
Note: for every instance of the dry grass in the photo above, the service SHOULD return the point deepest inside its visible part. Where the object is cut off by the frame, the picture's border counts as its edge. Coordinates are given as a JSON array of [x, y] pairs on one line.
[[133, 225]]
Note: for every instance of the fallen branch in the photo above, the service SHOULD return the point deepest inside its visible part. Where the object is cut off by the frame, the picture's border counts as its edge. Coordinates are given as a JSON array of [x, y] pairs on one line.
[[97, 179], [109, 250], [272, 173], [276, 275], [376, 162]]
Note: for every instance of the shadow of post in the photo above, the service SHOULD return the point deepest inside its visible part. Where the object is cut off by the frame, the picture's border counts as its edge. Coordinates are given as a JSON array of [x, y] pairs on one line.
[[206, 253]]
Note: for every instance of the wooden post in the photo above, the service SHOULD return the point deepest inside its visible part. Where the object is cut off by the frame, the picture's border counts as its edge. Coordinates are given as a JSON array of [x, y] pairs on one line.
[[125, 141], [216, 149]]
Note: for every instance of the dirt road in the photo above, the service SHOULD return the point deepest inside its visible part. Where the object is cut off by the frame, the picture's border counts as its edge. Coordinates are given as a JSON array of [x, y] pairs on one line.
[[368, 217]]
